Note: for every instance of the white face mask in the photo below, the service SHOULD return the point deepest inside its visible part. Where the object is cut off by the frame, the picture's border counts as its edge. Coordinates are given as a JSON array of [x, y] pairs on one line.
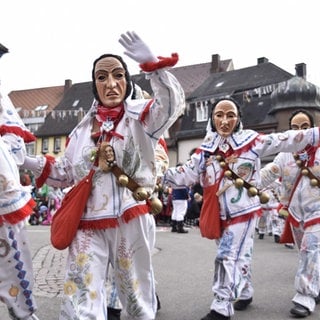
[[225, 117], [300, 122]]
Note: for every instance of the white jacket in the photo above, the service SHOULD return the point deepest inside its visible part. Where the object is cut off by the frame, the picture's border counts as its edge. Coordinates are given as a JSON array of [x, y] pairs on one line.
[[135, 153]]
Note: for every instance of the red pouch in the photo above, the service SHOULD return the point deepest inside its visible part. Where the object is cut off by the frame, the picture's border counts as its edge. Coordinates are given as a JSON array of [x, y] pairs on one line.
[[65, 221], [209, 221]]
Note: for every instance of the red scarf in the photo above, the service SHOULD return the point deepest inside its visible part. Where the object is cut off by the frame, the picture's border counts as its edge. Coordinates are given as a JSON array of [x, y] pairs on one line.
[[113, 115]]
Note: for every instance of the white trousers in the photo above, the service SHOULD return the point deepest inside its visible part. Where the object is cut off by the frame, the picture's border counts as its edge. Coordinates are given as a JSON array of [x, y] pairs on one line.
[[232, 274], [128, 249], [179, 209], [16, 276], [307, 277]]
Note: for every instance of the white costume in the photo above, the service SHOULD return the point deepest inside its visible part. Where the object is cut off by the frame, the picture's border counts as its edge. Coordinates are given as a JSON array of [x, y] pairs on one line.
[[16, 204], [115, 227], [302, 202], [242, 151]]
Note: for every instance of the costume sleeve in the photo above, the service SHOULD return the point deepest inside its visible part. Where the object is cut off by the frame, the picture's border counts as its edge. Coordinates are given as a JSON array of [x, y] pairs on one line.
[[168, 103], [288, 141], [47, 169], [269, 174], [184, 175]]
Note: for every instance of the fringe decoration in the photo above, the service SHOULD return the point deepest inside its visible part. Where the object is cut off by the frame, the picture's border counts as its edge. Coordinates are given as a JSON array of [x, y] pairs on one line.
[[128, 215], [243, 218], [162, 63], [146, 110], [45, 172], [20, 214], [25, 134], [99, 224]]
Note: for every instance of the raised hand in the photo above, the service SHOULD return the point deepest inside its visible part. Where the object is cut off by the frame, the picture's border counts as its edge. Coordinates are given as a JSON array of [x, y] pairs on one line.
[[136, 49]]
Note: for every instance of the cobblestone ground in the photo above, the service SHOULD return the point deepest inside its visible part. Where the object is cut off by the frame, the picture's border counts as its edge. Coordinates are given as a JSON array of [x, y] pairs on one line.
[[49, 265]]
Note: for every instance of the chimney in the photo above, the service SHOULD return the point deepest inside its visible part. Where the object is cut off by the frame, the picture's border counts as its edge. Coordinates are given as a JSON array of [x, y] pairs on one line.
[[215, 63], [67, 85], [262, 60], [301, 70]]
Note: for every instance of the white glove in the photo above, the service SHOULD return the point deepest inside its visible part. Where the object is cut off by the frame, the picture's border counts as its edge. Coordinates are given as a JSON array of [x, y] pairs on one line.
[[136, 49]]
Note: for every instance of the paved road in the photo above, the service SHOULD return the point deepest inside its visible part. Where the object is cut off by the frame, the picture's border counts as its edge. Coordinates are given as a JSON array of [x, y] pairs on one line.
[[183, 267]]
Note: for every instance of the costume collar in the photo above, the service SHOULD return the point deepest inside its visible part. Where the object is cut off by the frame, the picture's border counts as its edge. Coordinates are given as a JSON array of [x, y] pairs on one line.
[[236, 141]]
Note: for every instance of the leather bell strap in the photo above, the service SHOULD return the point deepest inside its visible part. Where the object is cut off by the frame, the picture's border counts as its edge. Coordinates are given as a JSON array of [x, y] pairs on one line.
[[131, 185], [264, 198]]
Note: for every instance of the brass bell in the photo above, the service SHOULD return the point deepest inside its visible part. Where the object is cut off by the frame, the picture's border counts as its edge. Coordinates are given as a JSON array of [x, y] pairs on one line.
[[228, 173], [222, 164], [156, 206], [299, 163], [123, 180], [304, 172], [239, 182], [283, 212], [314, 182], [218, 157], [140, 194], [252, 191], [156, 188], [264, 197]]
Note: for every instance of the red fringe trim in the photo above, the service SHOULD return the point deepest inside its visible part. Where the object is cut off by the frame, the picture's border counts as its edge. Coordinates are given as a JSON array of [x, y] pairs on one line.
[[162, 63], [247, 147], [135, 212], [162, 141], [99, 224], [244, 218], [45, 172], [26, 135], [146, 110], [20, 214], [113, 222]]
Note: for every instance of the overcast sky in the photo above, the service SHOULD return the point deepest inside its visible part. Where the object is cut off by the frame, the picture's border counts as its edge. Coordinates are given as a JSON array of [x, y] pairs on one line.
[[53, 40]]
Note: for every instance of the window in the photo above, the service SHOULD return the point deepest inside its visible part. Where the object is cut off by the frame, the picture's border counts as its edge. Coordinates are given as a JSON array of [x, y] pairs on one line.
[[31, 148], [201, 111], [57, 145], [45, 145]]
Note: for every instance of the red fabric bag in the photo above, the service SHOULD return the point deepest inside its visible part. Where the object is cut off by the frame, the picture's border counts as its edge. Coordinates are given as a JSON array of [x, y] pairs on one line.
[[65, 221], [209, 221]]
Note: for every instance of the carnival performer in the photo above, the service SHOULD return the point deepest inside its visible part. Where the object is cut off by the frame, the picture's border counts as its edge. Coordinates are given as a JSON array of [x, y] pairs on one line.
[[227, 164], [270, 222], [115, 225], [299, 196], [16, 205]]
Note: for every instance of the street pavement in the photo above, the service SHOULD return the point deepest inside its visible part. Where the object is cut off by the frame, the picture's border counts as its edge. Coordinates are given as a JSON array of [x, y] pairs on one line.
[[183, 266]]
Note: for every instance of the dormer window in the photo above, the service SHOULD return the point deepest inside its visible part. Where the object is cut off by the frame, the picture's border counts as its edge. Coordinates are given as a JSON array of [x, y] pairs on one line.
[[202, 111]]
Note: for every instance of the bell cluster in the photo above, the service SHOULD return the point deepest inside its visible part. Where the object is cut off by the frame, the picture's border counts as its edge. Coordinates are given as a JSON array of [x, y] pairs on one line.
[[240, 183]]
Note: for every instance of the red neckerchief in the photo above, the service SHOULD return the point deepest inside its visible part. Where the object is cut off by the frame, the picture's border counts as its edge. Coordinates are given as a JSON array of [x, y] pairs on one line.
[[307, 155], [113, 115]]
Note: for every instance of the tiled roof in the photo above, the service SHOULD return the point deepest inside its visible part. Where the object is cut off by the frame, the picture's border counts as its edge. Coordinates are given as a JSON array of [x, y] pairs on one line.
[[27, 101], [234, 81]]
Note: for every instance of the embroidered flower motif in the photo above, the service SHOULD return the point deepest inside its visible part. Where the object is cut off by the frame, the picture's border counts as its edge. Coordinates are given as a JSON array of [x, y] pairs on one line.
[[93, 295], [82, 259], [124, 263], [125, 273], [69, 288], [88, 279]]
